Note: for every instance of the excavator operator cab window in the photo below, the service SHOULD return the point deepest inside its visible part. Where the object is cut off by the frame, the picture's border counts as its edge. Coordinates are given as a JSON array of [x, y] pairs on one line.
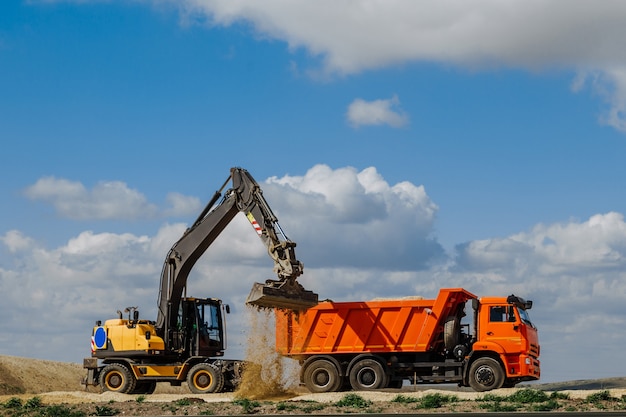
[[501, 314], [209, 323]]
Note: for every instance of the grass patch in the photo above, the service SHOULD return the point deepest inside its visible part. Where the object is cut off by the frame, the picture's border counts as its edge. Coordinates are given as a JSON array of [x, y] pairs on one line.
[[105, 410], [559, 396], [549, 405], [436, 400], [528, 395], [404, 399], [599, 397], [353, 401], [248, 406]]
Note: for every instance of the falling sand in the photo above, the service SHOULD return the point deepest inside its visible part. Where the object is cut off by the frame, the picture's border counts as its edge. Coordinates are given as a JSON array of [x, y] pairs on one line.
[[267, 374]]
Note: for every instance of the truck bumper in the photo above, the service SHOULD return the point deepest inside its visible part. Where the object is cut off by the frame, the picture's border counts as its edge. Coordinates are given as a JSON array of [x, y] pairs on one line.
[[530, 368]]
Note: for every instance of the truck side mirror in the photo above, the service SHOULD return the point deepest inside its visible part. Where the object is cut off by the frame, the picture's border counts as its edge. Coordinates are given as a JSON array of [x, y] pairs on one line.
[[227, 308], [135, 315]]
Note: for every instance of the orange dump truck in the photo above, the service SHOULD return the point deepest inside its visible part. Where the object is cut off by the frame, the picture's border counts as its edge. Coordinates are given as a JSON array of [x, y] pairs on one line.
[[378, 344]]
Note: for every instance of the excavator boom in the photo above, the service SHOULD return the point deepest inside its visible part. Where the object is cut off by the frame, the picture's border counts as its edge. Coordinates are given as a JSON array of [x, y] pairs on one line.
[[245, 196]]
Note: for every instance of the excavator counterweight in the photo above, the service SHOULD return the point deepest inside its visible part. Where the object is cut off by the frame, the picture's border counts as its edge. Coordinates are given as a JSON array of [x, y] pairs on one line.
[[281, 295]]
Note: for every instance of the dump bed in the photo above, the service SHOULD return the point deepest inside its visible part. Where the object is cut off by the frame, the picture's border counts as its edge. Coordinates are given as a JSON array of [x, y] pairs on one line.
[[398, 325]]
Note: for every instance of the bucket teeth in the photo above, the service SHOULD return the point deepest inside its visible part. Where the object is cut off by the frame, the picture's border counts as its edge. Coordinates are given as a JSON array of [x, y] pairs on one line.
[[281, 295]]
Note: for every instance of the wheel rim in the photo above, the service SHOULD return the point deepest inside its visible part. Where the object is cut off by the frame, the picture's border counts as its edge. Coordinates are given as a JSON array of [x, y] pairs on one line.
[[484, 375], [366, 377], [114, 381], [202, 380], [321, 378]]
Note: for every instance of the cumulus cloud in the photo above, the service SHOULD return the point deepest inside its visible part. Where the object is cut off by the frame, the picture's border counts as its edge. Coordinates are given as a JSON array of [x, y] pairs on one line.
[[576, 274], [182, 205], [378, 33], [359, 237], [107, 199], [576, 35], [377, 112], [348, 217], [610, 86]]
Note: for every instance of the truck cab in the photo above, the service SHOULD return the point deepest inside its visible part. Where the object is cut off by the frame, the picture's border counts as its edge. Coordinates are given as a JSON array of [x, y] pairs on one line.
[[504, 327]]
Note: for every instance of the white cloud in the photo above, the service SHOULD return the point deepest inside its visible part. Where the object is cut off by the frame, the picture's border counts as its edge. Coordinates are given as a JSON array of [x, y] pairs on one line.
[[534, 35], [182, 205], [345, 218], [107, 200], [610, 86], [361, 35], [377, 112], [15, 241], [359, 237], [576, 274]]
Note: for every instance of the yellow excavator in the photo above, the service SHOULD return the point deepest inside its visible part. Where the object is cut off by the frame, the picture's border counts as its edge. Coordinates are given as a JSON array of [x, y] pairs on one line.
[[186, 343]]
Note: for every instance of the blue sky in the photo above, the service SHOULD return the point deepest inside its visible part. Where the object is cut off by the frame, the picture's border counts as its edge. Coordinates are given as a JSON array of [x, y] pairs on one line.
[[435, 144]]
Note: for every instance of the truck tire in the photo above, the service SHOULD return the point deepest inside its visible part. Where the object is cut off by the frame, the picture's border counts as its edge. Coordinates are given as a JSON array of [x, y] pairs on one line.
[[486, 374], [451, 332], [205, 378], [322, 376], [368, 374], [116, 377]]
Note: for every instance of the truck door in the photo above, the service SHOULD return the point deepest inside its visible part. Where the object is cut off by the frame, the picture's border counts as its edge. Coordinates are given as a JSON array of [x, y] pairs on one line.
[[501, 325]]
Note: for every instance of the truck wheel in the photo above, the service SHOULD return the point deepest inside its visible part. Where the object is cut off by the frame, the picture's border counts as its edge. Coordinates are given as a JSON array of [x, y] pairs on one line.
[[322, 376], [368, 374], [117, 378], [486, 374], [205, 378], [451, 332]]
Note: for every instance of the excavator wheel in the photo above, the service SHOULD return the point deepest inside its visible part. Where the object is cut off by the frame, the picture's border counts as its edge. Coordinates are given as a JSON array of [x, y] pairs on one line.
[[281, 295], [205, 378], [117, 378]]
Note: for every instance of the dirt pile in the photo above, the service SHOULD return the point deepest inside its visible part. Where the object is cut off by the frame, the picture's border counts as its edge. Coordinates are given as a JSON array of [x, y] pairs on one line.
[[35, 376]]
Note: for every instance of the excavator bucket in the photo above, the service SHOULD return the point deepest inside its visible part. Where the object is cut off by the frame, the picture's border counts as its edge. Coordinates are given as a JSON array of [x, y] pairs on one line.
[[282, 295]]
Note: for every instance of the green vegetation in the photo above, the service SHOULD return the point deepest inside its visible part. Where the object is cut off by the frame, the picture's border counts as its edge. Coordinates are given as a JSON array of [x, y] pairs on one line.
[[521, 400], [353, 401], [404, 399], [106, 411], [436, 400], [526, 399], [599, 397], [248, 405]]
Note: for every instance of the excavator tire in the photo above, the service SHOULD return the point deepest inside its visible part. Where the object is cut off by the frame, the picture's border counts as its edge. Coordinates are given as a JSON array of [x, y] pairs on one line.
[[116, 377], [205, 378]]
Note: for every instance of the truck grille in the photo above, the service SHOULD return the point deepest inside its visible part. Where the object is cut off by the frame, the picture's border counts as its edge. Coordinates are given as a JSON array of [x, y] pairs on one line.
[[534, 350]]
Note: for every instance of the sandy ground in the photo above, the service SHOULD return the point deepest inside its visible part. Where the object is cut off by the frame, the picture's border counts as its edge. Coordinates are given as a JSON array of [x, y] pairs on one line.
[[59, 383]]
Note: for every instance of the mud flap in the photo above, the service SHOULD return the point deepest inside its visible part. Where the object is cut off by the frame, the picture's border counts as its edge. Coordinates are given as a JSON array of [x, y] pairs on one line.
[[283, 295]]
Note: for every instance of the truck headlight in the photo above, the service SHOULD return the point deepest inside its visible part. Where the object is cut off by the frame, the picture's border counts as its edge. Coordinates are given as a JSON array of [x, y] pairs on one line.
[[527, 361]]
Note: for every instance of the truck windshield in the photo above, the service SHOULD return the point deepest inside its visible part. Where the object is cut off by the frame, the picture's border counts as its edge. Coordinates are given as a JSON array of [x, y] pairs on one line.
[[525, 317]]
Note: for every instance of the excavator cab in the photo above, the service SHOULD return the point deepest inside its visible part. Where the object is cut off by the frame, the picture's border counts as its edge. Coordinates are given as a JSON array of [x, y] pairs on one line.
[[200, 329]]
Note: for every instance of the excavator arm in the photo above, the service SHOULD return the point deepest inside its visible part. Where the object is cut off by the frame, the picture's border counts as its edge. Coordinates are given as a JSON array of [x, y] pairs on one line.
[[245, 196]]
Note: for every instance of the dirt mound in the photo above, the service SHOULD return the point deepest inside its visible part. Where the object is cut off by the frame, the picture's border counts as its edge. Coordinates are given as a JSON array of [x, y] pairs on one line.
[[36, 376]]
